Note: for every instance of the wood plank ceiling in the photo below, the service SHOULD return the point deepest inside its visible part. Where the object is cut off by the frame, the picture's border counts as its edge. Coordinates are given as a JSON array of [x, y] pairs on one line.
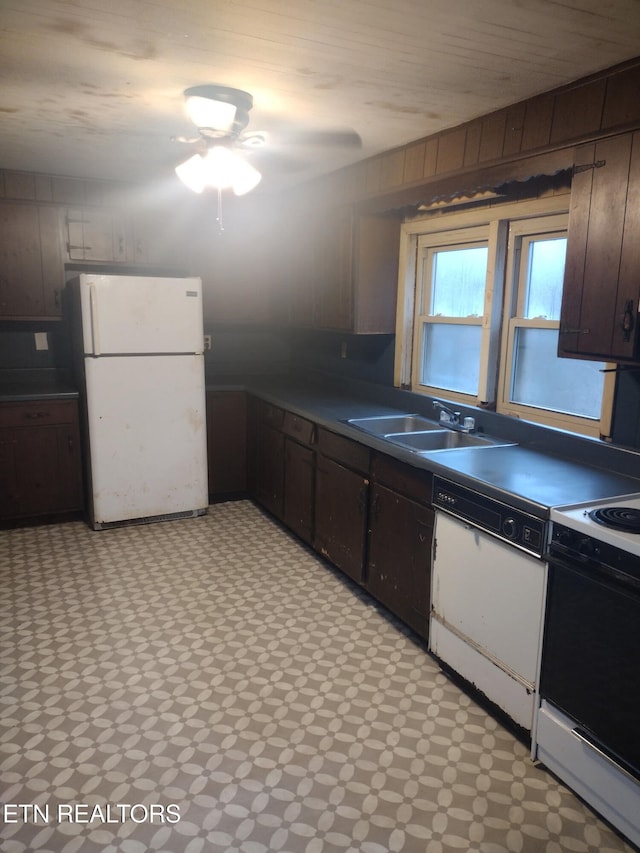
[[95, 89]]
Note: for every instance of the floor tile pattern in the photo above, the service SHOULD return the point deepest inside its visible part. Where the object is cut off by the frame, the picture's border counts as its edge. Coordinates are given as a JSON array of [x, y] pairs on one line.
[[219, 665]]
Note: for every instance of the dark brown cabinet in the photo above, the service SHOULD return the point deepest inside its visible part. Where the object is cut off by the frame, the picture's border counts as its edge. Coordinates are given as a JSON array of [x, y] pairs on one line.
[[341, 499], [343, 272], [226, 443], [40, 459], [266, 455], [299, 476], [31, 261], [400, 539], [599, 316]]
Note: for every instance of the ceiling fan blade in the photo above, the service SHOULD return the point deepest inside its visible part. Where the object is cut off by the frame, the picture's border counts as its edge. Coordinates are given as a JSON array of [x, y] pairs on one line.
[[324, 138]]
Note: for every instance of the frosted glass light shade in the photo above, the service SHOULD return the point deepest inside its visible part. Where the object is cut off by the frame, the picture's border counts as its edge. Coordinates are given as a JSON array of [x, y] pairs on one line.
[[192, 173], [220, 168], [206, 112]]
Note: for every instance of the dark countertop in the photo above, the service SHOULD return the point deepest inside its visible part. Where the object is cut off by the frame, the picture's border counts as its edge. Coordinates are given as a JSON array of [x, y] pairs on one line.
[[526, 477], [18, 386]]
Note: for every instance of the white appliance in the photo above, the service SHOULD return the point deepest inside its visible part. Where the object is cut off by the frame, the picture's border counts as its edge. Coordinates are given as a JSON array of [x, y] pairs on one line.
[[587, 731], [487, 596], [139, 345]]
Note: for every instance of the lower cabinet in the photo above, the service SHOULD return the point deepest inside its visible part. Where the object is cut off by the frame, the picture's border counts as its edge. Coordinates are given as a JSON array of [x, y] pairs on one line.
[[266, 455], [40, 459], [342, 494], [299, 476], [226, 443], [367, 513], [400, 540]]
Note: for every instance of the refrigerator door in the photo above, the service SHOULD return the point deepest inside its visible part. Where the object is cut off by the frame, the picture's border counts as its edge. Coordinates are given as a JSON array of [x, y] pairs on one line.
[[140, 314], [147, 436]]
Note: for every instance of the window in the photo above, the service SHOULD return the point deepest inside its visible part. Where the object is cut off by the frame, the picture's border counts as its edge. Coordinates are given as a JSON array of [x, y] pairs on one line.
[[449, 326], [485, 314]]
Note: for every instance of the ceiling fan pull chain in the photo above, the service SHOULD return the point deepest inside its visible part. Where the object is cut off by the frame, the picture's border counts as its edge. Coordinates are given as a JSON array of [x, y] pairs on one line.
[[219, 216]]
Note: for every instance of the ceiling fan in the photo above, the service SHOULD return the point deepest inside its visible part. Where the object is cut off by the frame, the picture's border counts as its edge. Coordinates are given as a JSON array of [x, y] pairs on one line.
[[220, 115]]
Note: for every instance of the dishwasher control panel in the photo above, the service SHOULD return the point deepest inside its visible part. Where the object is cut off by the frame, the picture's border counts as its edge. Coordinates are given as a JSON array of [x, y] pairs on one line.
[[519, 528]]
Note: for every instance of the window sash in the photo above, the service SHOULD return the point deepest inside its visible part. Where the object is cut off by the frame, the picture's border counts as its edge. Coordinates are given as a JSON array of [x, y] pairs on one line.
[[428, 246]]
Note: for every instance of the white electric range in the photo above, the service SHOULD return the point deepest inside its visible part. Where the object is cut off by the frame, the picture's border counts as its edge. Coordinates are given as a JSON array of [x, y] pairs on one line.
[[588, 726]]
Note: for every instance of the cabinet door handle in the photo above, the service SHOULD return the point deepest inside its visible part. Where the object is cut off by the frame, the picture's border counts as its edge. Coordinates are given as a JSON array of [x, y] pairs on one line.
[[362, 499], [32, 416], [70, 444], [628, 320]]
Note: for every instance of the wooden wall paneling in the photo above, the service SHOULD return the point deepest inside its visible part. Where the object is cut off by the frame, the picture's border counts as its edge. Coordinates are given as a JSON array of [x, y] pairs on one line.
[[538, 115], [67, 191], [373, 175], [622, 98], [44, 190], [472, 144], [431, 156], [20, 185], [414, 163], [451, 150], [578, 112], [392, 169], [513, 130], [492, 136]]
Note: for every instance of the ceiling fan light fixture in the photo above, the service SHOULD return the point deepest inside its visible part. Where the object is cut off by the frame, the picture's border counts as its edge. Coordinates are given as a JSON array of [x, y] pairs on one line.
[[218, 108], [220, 168], [216, 115], [192, 173]]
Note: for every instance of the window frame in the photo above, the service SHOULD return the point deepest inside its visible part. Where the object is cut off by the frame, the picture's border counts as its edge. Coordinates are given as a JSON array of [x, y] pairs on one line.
[[522, 233], [496, 217], [427, 247]]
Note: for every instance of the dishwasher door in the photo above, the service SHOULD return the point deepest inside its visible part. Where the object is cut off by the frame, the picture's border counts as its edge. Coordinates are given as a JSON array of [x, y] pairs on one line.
[[487, 605]]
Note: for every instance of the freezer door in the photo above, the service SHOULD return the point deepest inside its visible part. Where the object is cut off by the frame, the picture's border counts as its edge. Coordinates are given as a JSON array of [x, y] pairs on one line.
[[140, 314], [147, 436]]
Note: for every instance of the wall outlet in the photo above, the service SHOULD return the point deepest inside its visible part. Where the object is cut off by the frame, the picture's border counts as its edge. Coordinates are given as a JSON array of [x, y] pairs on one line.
[[41, 340], [207, 342]]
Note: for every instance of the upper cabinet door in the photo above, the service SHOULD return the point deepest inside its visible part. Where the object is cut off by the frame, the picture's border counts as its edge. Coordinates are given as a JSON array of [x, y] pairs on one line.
[[31, 267], [599, 316]]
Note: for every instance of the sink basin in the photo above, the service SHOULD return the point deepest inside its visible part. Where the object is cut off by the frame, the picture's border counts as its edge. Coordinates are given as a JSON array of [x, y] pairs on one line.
[[443, 440], [384, 425]]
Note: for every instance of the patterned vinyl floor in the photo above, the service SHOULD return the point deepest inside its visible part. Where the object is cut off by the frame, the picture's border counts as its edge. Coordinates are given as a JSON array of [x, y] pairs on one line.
[[216, 671]]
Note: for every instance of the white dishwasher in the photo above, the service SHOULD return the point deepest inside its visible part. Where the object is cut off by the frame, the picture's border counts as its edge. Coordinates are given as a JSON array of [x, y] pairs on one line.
[[487, 596]]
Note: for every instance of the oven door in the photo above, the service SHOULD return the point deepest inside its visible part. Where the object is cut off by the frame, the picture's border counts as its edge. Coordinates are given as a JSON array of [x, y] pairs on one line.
[[591, 656]]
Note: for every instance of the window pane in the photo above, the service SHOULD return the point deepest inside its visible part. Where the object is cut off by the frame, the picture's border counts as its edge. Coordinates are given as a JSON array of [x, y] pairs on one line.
[[544, 278], [458, 281], [543, 380], [451, 357]]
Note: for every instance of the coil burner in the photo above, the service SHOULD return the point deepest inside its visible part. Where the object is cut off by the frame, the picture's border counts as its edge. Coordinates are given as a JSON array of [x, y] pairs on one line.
[[618, 517]]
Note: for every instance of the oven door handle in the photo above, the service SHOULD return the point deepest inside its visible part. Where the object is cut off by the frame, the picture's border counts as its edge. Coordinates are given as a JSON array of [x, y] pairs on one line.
[[583, 736], [581, 564]]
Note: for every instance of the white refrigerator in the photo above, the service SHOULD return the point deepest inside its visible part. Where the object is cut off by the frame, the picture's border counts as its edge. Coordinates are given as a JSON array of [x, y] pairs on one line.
[[139, 347]]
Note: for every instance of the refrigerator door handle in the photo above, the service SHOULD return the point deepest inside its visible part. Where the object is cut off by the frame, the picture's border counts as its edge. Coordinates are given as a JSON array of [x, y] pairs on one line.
[[93, 303]]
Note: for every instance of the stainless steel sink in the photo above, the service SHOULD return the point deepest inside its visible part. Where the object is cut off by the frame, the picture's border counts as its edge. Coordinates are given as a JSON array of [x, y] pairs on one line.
[[447, 439], [385, 425], [419, 434]]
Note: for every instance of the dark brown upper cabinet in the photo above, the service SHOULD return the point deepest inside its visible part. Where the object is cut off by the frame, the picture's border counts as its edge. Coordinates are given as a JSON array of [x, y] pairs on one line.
[[31, 264], [353, 272], [599, 316]]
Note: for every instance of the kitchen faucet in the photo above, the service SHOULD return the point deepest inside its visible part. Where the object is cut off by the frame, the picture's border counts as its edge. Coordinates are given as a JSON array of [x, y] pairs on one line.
[[452, 419]]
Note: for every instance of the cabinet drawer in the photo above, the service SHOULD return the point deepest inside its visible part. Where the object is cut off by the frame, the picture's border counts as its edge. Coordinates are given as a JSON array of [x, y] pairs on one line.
[[38, 413], [412, 482], [344, 450], [270, 414], [299, 428]]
